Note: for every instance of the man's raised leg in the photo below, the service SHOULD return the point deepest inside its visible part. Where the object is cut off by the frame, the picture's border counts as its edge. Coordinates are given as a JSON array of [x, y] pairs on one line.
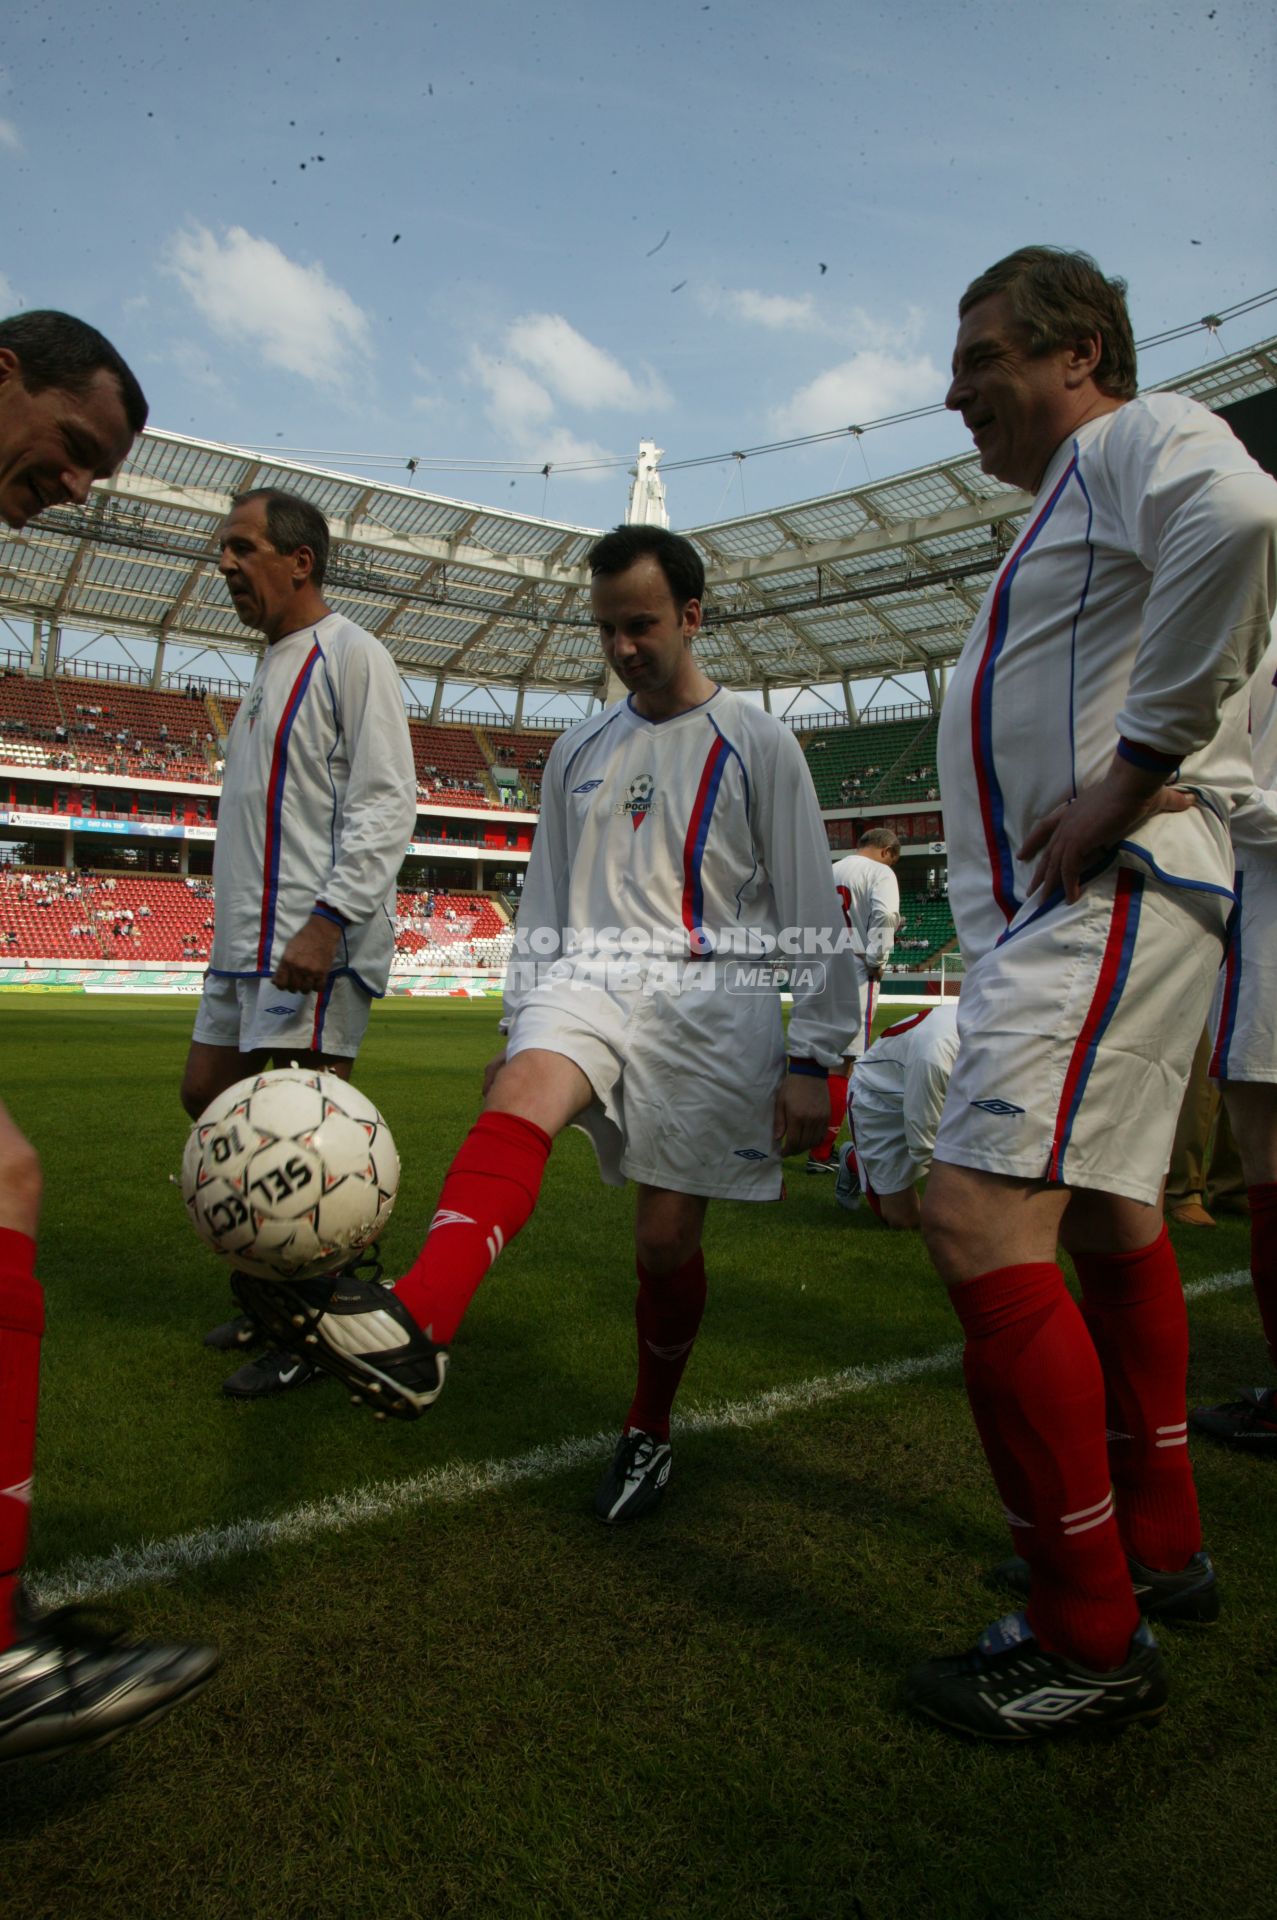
[[390, 1349]]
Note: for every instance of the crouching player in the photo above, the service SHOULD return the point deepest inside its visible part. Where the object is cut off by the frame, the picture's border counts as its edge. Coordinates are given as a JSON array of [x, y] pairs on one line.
[[1244, 1054], [678, 812], [893, 1109]]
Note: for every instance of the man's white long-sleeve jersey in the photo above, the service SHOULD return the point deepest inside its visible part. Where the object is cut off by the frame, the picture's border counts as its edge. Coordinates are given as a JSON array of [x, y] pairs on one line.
[[318, 804], [681, 840], [1255, 818], [870, 895], [1130, 615]]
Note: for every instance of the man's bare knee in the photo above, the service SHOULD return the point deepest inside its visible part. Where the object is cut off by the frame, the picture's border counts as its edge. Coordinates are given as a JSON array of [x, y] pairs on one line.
[[546, 1088], [21, 1180]]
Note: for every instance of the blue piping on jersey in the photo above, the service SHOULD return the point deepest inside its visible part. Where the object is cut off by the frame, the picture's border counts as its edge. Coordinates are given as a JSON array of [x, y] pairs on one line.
[[733, 749], [577, 751], [664, 718], [1081, 607], [264, 973]]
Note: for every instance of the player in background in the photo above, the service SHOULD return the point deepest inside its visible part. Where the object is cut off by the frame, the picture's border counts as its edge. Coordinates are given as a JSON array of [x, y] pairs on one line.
[[894, 1105], [1244, 1055], [69, 412], [870, 895], [678, 828], [317, 809], [1111, 658]]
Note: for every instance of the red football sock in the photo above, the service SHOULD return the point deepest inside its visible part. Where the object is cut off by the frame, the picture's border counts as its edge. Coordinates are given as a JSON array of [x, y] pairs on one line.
[[667, 1313], [21, 1324], [1263, 1258], [488, 1195], [1134, 1310], [837, 1114], [1037, 1395]]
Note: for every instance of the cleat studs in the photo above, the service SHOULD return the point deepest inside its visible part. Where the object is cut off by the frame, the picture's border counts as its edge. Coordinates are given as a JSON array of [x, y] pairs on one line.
[[356, 1399], [375, 1387], [378, 1414], [312, 1339], [299, 1320]]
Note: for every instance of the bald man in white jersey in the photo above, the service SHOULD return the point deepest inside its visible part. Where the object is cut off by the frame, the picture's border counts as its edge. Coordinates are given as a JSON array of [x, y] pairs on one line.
[[1092, 747], [679, 843]]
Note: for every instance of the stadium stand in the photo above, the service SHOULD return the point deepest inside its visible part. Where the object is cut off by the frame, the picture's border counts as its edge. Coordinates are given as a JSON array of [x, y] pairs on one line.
[[851, 766], [450, 765], [48, 914], [926, 928], [526, 751], [451, 927]]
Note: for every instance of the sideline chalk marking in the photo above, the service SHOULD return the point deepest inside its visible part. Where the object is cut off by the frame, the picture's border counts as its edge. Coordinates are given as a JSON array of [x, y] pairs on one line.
[[159, 1560]]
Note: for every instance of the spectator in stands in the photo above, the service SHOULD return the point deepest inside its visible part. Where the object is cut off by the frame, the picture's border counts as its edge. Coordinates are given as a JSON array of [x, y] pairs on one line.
[[297, 965], [69, 411]]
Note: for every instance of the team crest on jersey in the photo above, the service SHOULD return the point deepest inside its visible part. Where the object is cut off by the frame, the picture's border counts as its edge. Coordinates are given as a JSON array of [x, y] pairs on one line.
[[255, 699], [641, 798]]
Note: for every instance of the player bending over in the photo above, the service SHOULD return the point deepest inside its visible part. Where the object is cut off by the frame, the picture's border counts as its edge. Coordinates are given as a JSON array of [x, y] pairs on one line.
[[69, 411], [677, 824], [893, 1109], [1244, 1055]]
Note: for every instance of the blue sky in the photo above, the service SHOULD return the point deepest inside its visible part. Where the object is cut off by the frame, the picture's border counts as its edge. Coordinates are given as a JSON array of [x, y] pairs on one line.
[[163, 177]]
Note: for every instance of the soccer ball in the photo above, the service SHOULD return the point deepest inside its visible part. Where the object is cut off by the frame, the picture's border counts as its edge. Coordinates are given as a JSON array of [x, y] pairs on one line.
[[288, 1173]]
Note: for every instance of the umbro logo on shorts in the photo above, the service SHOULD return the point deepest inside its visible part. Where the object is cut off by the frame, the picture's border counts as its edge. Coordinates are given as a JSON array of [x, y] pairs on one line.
[[749, 1153], [587, 786], [998, 1107]]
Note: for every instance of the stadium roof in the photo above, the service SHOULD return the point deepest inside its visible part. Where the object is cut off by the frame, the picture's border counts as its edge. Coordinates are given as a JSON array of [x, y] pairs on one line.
[[878, 579]]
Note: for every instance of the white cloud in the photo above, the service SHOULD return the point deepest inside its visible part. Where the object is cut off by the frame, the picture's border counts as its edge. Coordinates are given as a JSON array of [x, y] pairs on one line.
[[522, 412], [10, 137], [872, 382], [250, 292], [775, 311], [574, 369]]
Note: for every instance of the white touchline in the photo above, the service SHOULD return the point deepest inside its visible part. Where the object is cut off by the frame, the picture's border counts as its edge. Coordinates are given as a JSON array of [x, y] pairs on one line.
[[155, 1561]]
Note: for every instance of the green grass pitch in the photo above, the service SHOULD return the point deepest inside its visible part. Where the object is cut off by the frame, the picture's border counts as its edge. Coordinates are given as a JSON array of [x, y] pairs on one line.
[[481, 1702]]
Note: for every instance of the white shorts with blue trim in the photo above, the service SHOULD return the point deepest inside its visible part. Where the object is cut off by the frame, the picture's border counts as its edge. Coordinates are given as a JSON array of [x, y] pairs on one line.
[[685, 1075], [1077, 1033], [1243, 1015], [256, 1016]]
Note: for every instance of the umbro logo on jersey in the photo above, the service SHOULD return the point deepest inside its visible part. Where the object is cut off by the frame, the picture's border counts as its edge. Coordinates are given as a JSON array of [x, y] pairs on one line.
[[749, 1153], [587, 786], [998, 1107], [281, 1009], [445, 1217]]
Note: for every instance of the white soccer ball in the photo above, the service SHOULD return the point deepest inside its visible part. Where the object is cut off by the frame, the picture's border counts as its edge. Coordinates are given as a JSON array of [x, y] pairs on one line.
[[290, 1172]]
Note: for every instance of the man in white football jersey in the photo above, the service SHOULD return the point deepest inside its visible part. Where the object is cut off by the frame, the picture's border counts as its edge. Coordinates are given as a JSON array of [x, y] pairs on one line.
[[1244, 1055], [679, 843], [1110, 659], [894, 1103], [70, 409], [870, 895], [317, 808]]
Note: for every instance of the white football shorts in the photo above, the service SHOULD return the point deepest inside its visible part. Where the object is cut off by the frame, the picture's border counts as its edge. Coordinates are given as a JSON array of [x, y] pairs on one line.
[[878, 1131], [258, 1017], [685, 1075], [1077, 1033], [1243, 1015]]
